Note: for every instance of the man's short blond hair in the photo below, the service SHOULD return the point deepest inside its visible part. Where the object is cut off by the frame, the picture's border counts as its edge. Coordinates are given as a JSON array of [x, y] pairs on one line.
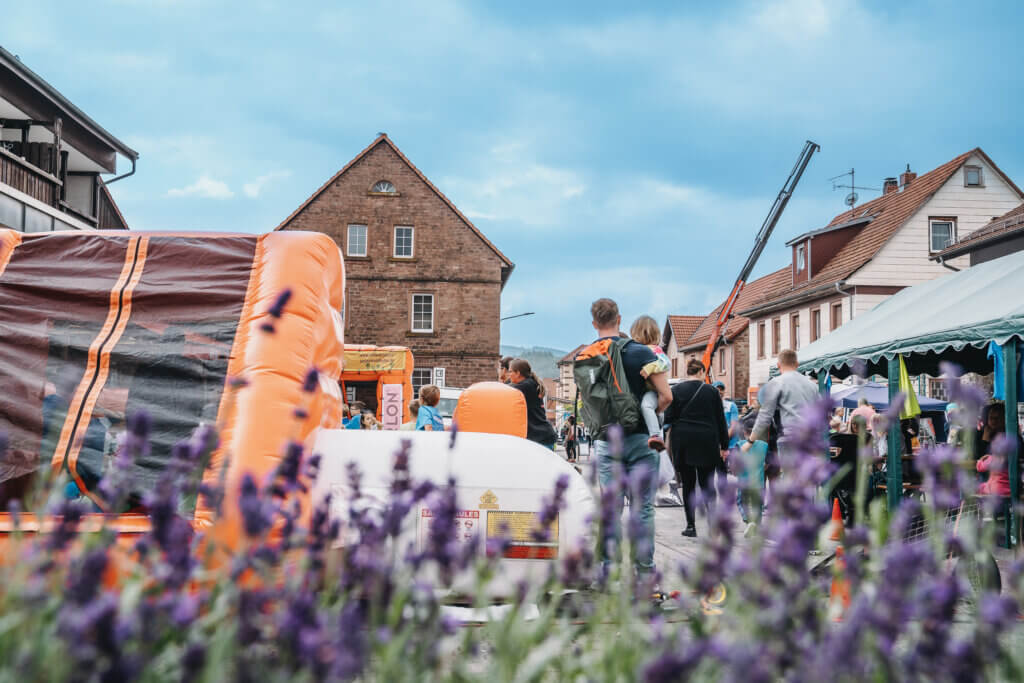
[[604, 312], [788, 359]]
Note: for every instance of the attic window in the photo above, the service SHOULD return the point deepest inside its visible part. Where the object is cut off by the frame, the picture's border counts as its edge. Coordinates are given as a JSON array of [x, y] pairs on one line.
[[973, 177], [383, 187], [800, 258]]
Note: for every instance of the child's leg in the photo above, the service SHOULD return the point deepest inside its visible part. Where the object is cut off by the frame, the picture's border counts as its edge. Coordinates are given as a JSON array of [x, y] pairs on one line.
[[649, 408]]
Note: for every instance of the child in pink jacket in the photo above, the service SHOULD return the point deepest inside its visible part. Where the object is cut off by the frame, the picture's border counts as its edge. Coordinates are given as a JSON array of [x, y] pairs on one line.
[[998, 483]]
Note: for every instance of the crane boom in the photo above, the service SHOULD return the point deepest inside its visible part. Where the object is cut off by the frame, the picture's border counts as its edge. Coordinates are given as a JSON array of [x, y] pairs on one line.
[[759, 244]]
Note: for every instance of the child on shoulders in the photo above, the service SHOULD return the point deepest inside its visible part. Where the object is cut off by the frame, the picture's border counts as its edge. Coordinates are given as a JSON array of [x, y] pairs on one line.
[[645, 330]]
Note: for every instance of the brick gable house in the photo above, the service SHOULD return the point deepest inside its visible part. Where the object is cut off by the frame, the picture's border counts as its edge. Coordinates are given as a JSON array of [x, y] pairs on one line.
[[418, 272]]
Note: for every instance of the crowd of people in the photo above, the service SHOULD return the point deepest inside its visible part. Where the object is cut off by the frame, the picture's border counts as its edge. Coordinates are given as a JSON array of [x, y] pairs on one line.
[[703, 431]]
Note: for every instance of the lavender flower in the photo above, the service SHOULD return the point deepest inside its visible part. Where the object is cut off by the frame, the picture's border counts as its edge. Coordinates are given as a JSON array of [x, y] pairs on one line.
[[256, 513], [276, 310], [312, 381]]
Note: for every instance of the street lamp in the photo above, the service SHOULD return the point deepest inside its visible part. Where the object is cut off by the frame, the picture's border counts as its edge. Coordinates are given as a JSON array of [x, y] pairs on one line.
[[517, 315]]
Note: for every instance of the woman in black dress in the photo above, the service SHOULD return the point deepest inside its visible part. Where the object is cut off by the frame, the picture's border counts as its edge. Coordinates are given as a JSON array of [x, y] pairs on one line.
[[537, 426], [698, 437]]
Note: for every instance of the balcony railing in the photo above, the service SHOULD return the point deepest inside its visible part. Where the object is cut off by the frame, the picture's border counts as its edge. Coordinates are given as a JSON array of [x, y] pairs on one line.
[[24, 177]]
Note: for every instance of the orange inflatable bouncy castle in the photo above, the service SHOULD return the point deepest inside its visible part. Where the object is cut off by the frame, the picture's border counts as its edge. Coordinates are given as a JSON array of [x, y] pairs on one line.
[[390, 368], [493, 408], [96, 326]]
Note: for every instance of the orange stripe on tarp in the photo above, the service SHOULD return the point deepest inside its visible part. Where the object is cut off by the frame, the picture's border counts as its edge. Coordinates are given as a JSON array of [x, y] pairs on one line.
[[104, 363], [70, 420], [9, 240]]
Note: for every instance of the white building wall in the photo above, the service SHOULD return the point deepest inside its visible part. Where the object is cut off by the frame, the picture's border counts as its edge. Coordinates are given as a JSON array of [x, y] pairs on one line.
[[760, 368], [903, 260]]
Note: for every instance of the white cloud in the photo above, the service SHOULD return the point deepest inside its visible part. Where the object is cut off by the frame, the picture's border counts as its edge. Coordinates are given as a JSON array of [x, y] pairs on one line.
[[205, 187], [253, 188], [517, 187]]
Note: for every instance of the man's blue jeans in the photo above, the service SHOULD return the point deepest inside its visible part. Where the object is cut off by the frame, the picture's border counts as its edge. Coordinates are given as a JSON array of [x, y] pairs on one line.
[[639, 466]]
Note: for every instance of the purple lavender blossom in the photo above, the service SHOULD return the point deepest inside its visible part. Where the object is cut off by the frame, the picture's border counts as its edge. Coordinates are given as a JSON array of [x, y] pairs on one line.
[[454, 432], [312, 381], [256, 513]]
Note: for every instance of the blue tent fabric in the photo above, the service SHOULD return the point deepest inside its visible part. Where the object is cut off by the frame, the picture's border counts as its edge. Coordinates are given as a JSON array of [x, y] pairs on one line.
[[995, 353], [877, 395]]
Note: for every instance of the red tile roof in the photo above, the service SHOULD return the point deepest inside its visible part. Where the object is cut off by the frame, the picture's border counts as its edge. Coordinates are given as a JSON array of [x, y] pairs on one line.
[[753, 293], [1010, 223], [681, 327], [890, 212], [384, 139]]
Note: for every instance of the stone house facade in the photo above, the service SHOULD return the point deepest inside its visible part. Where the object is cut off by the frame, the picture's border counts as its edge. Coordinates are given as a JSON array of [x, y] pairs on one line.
[[418, 273]]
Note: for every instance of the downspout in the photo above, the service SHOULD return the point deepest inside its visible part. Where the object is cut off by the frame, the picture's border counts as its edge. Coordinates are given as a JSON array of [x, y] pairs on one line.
[[839, 290], [122, 176], [942, 262]]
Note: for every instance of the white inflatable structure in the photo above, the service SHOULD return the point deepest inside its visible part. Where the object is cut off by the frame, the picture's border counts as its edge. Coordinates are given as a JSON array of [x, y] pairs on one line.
[[501, 483]]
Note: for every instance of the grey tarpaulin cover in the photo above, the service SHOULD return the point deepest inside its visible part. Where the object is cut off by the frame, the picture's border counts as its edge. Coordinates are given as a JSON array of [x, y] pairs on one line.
[[952, 317]]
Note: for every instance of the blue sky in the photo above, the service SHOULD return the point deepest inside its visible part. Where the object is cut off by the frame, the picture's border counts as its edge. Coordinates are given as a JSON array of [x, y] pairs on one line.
[[608, 151]]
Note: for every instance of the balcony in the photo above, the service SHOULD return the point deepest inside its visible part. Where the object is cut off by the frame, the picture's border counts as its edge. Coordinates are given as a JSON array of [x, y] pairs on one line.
[[29, 179]]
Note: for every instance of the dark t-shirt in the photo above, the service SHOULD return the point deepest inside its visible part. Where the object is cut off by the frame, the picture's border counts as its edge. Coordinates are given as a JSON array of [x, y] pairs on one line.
[[537, 426], [634, 357]]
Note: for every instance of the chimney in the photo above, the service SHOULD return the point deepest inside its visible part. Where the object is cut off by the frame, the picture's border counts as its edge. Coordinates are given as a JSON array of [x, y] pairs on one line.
[[889, 185], [907, 176]]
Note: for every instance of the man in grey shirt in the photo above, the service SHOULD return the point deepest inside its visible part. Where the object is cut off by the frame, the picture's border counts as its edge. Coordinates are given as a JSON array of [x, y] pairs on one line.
[[788, 394]]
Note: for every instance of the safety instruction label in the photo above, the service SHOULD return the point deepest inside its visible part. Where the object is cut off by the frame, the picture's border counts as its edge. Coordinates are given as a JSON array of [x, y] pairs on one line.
[[467, 525]]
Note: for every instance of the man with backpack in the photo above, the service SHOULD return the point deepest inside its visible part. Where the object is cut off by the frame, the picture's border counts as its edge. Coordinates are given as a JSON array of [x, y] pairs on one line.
[[608, 376]]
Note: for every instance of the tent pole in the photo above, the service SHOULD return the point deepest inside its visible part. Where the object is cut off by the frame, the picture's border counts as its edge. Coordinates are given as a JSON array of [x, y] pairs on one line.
[[894, 466], [1010, 383]]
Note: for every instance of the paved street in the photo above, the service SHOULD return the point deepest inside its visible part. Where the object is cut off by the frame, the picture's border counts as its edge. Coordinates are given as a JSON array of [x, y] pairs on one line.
[[672, 549]]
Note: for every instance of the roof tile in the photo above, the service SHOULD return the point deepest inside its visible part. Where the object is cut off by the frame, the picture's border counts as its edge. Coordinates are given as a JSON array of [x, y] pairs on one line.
[[1010, 222], [753, 293]]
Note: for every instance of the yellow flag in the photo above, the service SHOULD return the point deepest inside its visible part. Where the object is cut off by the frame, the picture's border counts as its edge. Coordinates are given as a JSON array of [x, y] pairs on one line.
[[911, 408]]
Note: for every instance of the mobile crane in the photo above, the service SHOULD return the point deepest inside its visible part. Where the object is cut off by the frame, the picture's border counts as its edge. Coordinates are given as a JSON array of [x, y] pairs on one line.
[[762, 239]]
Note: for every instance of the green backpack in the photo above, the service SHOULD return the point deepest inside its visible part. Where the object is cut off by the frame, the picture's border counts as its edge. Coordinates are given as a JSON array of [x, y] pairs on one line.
[[601, 380]]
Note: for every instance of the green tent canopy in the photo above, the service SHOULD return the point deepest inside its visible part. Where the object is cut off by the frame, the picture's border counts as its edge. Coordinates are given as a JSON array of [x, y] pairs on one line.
[[951, 318]]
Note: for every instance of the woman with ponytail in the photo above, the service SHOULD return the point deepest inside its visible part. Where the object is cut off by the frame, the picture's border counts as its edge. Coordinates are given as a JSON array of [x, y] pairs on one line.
[[537, 426]]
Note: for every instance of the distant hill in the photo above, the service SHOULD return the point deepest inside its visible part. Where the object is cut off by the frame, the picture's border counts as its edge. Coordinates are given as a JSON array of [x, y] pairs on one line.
[[542, 359]]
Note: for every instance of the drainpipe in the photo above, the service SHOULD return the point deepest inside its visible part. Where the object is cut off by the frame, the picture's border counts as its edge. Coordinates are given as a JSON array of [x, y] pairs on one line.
[[942, 262], [839, 290], [121, 177]]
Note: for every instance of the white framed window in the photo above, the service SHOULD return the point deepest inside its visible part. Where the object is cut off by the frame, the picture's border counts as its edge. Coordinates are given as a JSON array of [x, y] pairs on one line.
[[439, 376], [356, 240], [350, 394], [973, 177], [422, 312], [800, 260], [403, 241], [383, 187], [421, 377], [941, 233]]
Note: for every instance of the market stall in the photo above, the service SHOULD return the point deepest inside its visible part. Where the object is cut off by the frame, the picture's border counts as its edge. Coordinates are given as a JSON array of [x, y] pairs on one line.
[[953, 318]]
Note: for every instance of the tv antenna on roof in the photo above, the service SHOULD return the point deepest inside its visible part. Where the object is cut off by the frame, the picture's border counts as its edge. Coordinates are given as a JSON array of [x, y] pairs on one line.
[[852, 197]]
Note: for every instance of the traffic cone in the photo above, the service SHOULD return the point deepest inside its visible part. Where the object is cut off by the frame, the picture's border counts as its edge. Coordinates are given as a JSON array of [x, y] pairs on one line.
[[839, 591], [837, 522]]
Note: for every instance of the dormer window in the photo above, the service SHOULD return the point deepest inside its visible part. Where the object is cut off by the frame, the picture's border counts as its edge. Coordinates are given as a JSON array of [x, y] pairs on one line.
[[383, 187], [973, 177], [800, 258]]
